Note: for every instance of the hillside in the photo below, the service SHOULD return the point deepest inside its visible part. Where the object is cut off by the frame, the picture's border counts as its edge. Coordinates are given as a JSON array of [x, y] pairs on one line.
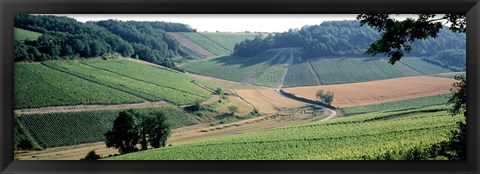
[[23, 35], [273, 67], [379, 135], [80, 82], [349, 39]]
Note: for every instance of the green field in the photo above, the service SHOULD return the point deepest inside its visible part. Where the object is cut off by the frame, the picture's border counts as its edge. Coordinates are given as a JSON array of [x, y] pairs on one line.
[[272, 76], [424, 67], [36, 85], [339, 71], [147, 90], [402, 104], [299, 74], [228, 40], [231, 67], [450, 75], [73, 128], [211, 46], [382, 135], [22, 35]]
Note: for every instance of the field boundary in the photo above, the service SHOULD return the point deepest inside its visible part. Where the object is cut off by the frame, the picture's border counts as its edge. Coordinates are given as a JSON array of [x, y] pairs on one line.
[[191, 44], [410, 67], [315, 73]]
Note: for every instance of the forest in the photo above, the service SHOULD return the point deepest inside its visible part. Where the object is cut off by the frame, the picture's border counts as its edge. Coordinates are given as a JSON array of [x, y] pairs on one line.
[[65, 38]]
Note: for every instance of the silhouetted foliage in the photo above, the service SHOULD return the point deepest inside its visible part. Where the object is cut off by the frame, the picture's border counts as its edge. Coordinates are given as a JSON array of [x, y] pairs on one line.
[[91, 156]]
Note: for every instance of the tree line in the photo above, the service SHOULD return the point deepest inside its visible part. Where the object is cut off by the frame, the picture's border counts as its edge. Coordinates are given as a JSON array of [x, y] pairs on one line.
[[350, 39], [64, 38]]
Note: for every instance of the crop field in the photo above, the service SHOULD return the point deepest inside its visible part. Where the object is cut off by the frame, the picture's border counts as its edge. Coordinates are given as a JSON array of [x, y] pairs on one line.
[[401, 104], [149, 74], [424, 67], [450, 75], [380, 91], [206, 43], [199, 50], [231, 67], [267, 100], [339, 71], [146, 90], [299, 75], [228, 40], [39, 86], [71, 128], [22, 35], [272, 76], [381, 135]]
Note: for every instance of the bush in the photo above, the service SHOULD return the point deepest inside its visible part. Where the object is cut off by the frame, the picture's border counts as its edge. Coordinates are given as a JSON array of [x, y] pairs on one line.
[[92, 156]]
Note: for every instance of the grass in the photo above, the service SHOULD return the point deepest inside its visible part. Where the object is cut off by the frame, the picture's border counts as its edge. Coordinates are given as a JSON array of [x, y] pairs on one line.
[[402, 104], [231, 67], [36, 85], [149, 90], [228, 40], [211, 46], [22, 35], [71, 128], [339, 71], [368, 136], [424, 67]]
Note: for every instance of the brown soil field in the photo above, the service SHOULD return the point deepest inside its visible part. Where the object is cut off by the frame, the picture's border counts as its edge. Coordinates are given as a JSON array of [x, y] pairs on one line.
[[267, 100], [381, 91], [191, 45]]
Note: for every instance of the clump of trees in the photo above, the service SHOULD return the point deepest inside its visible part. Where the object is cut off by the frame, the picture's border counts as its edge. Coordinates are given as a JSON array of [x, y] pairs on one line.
[[325, 97], [131, 128]]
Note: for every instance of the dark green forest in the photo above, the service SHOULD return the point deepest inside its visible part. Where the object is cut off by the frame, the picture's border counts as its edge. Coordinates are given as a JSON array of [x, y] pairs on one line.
[[349, 39], [64, 38]]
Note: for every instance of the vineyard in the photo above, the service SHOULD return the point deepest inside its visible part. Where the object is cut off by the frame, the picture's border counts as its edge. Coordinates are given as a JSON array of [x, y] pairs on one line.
[[424, 67], [299, 74], [402, 104], [206, 43], [380, 135], [231, 67], [145, 89], [73, 128], [228, 40], [22, 35], [272, 76], [450, 75], [39, 86]]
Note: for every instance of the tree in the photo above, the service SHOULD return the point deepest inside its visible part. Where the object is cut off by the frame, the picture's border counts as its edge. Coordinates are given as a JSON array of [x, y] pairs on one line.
[[326, 98], [125, 132], [233, 109], [396, 40], [158, 130], [91, 156]]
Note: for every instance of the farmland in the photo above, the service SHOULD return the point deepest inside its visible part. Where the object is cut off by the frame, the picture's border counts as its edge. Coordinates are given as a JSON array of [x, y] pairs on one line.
[[22, 35], [87, 126], [339, 71], [381, 135], [374, 92], [424, 67], [145, 89], [230, 67], [401, 104], [450, 75], [267, 100], [206, 43], [228, 40], [299, 74], [39, 86]]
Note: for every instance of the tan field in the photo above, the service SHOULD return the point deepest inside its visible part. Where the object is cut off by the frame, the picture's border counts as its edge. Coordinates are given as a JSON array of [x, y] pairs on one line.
[[267, 100], [243, 107], [381, 91]]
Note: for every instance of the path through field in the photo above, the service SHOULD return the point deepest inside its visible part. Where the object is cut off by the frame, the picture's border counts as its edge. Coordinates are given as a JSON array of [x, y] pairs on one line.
[[288, 63], [78, 108], [312, 70], [191, 45]]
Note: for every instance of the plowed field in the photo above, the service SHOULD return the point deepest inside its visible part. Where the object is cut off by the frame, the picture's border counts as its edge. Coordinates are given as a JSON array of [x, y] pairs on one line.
[[373, 92]]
